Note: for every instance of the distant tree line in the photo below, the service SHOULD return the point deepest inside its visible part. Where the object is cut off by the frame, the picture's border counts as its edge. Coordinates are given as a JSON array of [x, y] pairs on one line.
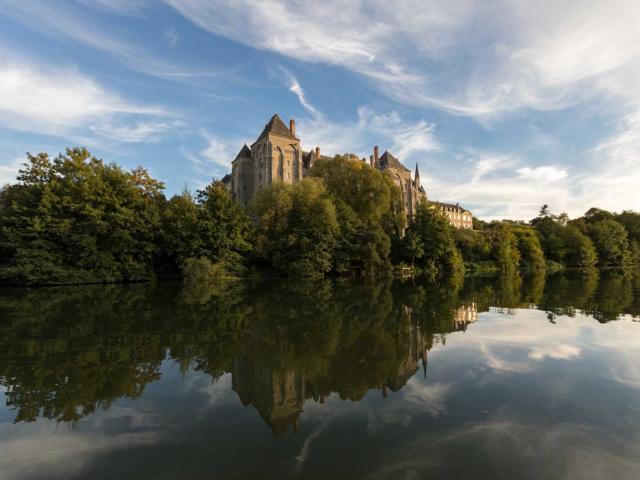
[[76, 219]]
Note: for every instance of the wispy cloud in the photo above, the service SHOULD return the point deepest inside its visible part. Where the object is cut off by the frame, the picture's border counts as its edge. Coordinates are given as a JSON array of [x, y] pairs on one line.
[[140, 131], [9, 170], [172, 36], [389, 130], [54, 101], [537, 55], [120, 7], [295, 87]]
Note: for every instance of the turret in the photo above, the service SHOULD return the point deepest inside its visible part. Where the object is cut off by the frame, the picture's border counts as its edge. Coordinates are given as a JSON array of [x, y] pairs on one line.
[[292, 127], [375, 156], [417, 178]]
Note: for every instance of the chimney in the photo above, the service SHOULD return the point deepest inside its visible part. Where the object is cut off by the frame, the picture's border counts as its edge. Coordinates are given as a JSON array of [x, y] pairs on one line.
[[375, 156], [292, 127], [317, 152]]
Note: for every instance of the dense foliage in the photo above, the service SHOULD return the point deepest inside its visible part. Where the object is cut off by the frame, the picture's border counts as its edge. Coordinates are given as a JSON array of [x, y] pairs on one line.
[[76, 219], [369, 211], [297, 227]]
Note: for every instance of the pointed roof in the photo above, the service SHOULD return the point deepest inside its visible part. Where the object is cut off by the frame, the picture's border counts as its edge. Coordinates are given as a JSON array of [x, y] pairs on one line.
[[245, 152], [276, 126], [389, 161], [417, 172]]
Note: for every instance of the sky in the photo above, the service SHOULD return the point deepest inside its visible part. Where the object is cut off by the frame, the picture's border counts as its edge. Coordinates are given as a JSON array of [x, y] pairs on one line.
[[505, 105]]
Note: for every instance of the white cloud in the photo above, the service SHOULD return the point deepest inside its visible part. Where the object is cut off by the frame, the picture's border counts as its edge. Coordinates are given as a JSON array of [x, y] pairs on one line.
[[543, 174], [295, 87], [388, 130], [536, 54], [487, 164], [55, 101], [214, 160], [141, 131], [58, 21], [9, 170]]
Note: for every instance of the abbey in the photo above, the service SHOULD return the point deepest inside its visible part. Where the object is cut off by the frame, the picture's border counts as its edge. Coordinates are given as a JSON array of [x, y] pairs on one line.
[[277, 156]]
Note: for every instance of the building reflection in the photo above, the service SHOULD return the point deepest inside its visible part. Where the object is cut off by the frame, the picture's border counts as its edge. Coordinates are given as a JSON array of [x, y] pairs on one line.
[[278, 395], [464, 316]]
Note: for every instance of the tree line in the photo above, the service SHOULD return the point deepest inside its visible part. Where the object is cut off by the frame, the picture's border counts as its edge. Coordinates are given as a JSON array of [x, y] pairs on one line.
[[76, 219]]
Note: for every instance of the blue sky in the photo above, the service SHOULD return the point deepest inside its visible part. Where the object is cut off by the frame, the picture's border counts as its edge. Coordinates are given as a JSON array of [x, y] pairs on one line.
[[504, 105]]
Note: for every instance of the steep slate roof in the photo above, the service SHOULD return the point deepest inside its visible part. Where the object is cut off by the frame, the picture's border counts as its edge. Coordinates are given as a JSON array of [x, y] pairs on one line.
[[276, 126], [226, 178], [389, 161], [449, 205], [245, 152], [309, 157]]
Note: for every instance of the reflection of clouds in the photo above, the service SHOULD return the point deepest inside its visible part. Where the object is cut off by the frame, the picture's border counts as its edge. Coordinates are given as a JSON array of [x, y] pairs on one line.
[[44, 448], [416, 398], [511, 343], [304, 452], [216, 390], [516, 450], [558, 351]]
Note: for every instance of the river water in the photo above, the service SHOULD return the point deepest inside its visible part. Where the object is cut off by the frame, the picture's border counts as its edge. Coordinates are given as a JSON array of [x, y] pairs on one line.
[[504, 377]]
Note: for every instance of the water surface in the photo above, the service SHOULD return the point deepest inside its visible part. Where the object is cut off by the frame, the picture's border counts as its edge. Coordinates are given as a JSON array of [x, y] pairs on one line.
[[502, 377]]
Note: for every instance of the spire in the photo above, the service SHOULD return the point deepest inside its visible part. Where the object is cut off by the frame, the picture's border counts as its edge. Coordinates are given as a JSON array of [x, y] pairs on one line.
[[417, 177]]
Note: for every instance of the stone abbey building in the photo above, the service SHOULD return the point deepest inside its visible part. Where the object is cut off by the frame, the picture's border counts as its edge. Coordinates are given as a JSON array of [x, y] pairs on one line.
[[277, 156]]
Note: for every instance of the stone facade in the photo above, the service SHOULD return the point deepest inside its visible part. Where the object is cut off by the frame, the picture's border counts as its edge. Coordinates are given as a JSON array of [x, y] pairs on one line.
[[458, 216], [277, 156]]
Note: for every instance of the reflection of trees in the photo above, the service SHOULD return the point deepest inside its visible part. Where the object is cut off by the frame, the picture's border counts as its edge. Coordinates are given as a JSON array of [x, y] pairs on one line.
[[603, 295], [65, 352]]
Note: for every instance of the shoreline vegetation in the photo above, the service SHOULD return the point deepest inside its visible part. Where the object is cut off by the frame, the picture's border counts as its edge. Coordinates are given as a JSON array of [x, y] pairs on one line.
[[75, 219]]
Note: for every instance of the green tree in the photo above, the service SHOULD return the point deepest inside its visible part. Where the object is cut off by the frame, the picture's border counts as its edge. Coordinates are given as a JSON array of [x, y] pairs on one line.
[[434, 236], [223, 228], [76, 219], [505, 247], [210, 234], [631, 222], [578, 249], [297, 227], [369, 211], [610, 239], [532, 256]]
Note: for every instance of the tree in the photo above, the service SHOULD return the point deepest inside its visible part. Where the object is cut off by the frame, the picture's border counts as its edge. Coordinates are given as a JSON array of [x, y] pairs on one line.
[[297, 227], [505, 248], [369, 211], [531, 253], [433, 234], [76, 219], [206, 236], [413, 247], [223, 227], [610, 239], [578, 249], [631, 222]]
